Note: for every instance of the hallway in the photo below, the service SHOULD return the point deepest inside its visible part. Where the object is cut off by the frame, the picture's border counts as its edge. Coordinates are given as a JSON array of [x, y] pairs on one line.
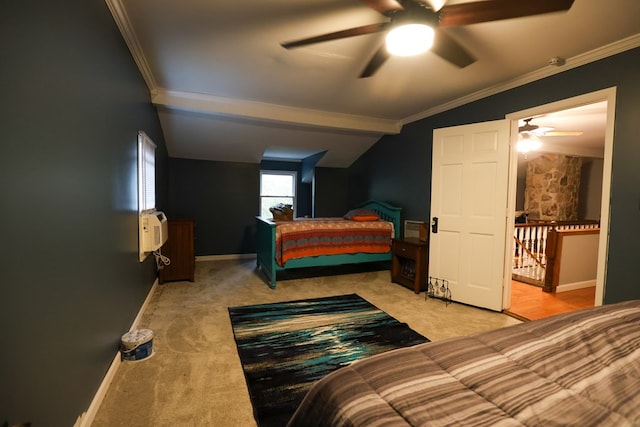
[[528, 302]]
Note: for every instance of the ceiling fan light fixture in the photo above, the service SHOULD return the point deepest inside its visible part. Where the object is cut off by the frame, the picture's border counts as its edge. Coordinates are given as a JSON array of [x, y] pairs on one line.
[[528, 142], [410, 39]]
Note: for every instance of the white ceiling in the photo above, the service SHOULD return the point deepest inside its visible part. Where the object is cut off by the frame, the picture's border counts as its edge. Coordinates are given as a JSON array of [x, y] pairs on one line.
[[590, 120], [226, 90]]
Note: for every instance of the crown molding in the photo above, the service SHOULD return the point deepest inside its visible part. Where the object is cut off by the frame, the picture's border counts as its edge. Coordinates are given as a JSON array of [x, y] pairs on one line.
[[215, 105], [119, 14], [594, 55]]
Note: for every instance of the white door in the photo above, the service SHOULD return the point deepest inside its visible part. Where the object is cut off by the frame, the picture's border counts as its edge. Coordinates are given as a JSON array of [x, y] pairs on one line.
[[470, 174]]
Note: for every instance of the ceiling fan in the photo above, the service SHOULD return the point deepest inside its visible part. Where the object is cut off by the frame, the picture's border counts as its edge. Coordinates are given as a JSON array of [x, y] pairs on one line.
[[536, 130], [429, 22]]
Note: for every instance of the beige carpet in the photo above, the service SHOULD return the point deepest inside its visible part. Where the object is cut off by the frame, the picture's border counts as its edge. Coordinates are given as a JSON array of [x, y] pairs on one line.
[[195, 377]]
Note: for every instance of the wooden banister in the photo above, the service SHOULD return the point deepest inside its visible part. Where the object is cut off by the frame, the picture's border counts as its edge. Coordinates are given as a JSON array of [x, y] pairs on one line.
[[552, 251], [554, 254]]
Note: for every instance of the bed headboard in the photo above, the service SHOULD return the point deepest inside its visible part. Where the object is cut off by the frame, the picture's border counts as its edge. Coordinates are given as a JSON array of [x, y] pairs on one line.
[[386, 212]]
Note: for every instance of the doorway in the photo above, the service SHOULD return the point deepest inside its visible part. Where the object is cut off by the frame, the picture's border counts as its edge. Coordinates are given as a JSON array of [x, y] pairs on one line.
[[607, 97]]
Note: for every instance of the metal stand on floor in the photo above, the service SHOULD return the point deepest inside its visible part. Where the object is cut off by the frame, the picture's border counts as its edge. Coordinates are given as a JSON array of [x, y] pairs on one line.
[[438, 288]]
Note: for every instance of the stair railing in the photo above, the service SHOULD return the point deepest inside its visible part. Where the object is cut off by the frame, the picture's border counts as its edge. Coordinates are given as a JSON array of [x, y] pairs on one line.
[[530, 242]]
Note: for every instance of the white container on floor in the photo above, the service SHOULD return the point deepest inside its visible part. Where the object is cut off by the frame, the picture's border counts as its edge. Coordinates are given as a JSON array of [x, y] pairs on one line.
[[137, 345]]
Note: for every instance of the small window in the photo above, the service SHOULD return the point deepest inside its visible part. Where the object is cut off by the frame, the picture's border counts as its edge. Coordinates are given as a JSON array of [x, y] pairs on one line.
[[276, 187], [146, 173]]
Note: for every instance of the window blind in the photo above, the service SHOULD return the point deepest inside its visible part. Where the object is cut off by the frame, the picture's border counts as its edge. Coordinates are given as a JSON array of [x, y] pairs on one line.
[[146, 173]]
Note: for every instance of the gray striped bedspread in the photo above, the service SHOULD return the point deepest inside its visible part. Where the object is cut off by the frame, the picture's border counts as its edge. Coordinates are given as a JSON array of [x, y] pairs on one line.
[[574, 369]]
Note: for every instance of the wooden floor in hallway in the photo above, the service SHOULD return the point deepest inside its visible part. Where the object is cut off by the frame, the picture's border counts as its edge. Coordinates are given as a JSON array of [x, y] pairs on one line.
[[528, 302]]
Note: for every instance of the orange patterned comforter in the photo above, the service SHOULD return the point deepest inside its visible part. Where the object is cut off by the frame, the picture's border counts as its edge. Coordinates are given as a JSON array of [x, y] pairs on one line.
[[330, 236]]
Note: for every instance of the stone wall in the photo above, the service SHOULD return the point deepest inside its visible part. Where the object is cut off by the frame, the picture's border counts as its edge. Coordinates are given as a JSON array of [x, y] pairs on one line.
[[552, 187]]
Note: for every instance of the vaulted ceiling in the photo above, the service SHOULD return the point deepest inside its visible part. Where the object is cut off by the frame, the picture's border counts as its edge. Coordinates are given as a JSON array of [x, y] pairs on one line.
[[227, 90]]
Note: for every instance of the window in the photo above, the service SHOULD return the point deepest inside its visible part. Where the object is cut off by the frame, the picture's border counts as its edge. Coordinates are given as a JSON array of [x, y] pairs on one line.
[[146, 187], [276, 187], [146, 173]]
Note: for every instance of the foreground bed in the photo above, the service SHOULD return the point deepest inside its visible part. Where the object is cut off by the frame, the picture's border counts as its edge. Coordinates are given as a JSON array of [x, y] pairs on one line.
[[372, 245], [575, 369]]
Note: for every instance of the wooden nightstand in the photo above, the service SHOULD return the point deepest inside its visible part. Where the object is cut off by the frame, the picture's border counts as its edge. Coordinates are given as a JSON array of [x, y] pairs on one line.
[[409, 263], [179, 248]]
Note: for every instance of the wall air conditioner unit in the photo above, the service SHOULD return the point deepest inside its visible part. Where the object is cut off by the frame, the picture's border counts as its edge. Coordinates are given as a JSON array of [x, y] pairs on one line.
[[154, 231], [415, 229]]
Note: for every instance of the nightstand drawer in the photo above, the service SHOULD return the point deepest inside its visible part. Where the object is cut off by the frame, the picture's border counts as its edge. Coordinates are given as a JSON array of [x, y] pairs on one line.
[[405, 249]]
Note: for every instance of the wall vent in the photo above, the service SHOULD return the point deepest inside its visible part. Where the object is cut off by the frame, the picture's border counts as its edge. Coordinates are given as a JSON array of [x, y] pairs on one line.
[[412, 228]]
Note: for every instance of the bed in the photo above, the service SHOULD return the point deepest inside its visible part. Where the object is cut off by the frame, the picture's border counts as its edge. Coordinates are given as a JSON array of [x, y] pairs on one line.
[[574, 369], [367, 241]]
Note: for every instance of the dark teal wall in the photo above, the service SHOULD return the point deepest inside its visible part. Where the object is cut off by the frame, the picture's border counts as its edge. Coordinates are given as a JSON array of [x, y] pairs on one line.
[[331, 192], [71, 105], [398, 168], [222, 197]]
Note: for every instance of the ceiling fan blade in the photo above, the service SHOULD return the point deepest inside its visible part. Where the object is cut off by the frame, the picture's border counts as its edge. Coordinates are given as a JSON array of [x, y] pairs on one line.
[[357, 31], [376, 62], [494, 10], [449, 49], [563, 133], [384, 7]]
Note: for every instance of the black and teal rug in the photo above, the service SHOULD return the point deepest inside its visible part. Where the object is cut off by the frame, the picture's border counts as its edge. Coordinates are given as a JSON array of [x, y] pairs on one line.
[[285, 347]]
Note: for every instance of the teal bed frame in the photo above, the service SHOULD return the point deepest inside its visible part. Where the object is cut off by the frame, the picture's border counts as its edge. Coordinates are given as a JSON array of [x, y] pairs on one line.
[[266, 245]]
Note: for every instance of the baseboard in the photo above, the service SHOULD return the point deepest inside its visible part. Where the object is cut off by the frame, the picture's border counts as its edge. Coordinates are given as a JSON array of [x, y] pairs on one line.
[[86, 419], [576, 285], [225, 257], [146, 302]]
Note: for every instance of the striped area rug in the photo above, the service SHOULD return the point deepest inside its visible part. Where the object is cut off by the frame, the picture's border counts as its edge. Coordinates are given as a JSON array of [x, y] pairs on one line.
[[285, 347]]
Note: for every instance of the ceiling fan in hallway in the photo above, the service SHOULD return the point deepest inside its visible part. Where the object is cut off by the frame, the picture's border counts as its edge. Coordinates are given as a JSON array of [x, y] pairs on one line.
[[536, 130], [414, 26], [529, 135]]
